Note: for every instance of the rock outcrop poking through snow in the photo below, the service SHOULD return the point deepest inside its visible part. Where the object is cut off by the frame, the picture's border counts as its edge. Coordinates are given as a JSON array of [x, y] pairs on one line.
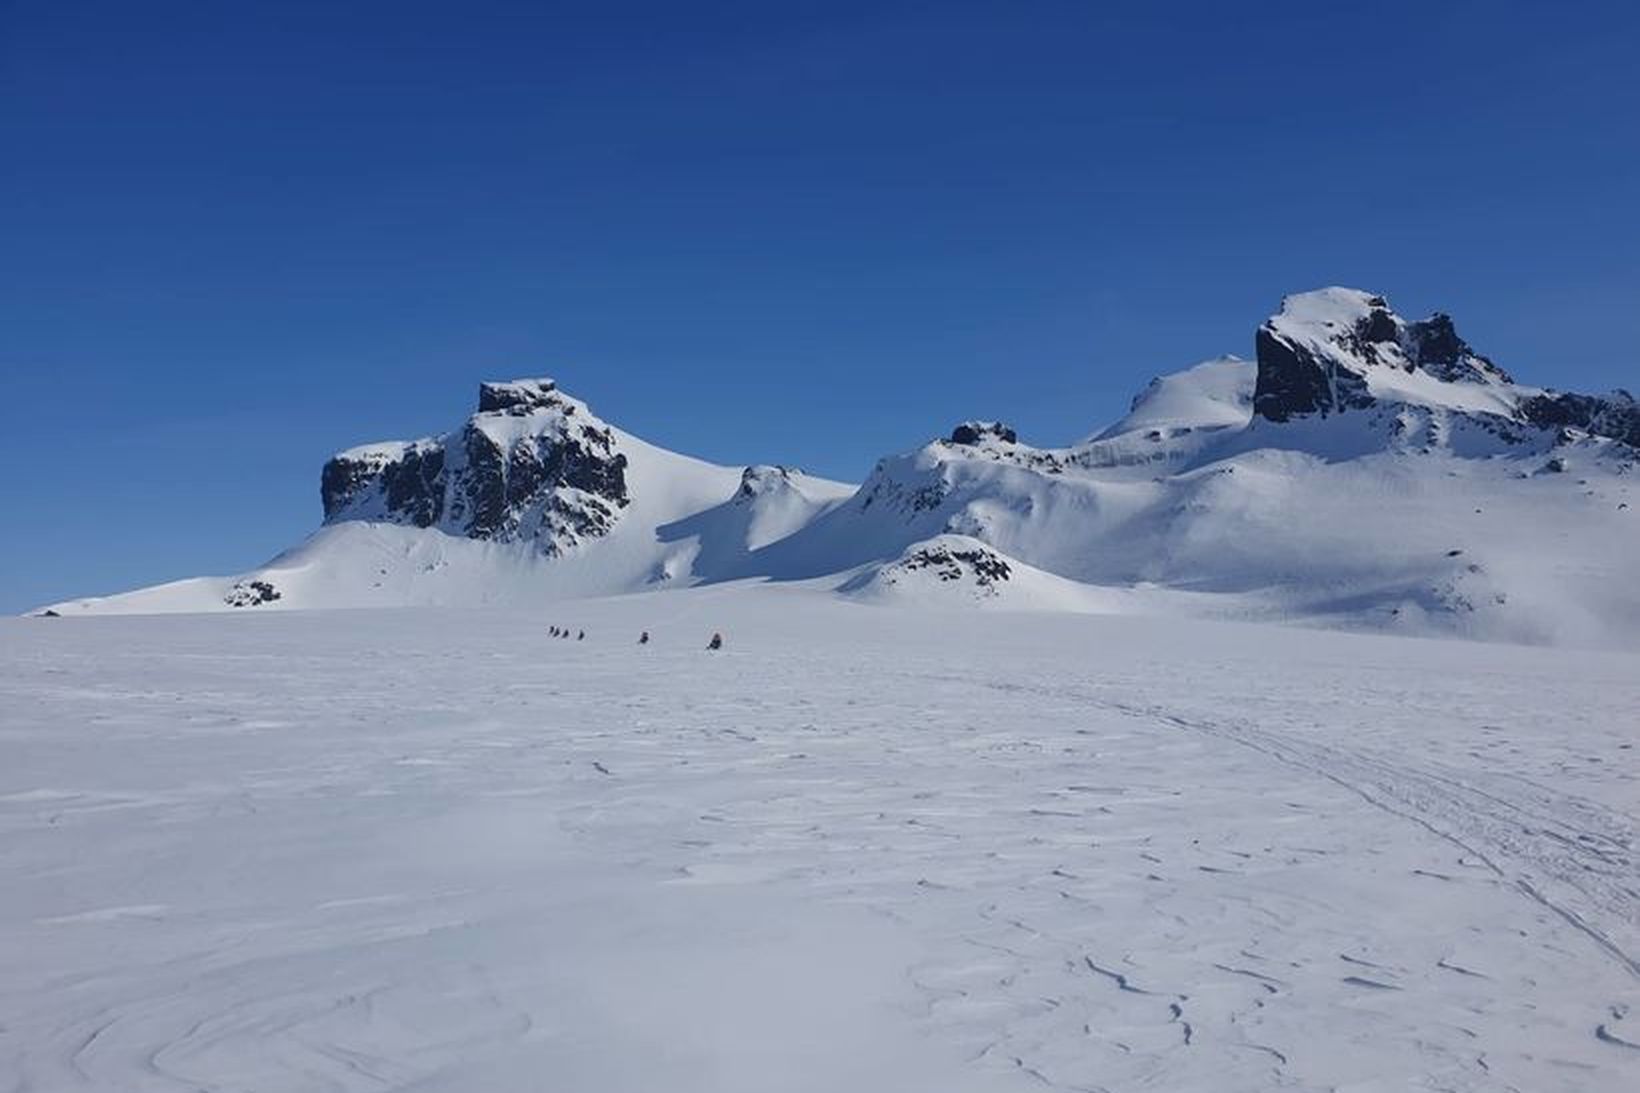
[[531, 465], [978, 432], [1616, 416], [957, 561], [1320, 352]]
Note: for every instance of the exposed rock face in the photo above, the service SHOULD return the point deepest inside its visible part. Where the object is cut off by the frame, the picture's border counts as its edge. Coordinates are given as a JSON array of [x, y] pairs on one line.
[[1317, 355], [518, 396], [1295, 380], [949, 563], [410, 480], [1616, 415], [1434, 346], [251, 593], [1338, 350], [531, 465], [976, 432]]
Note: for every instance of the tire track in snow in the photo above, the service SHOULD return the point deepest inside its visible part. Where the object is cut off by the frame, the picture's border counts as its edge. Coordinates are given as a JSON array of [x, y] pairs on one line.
[[1573, 857]]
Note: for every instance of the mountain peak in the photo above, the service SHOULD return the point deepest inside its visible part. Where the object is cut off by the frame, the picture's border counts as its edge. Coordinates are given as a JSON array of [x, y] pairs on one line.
[[532, 464], [520, 396], [1336, 349], [978, 432]]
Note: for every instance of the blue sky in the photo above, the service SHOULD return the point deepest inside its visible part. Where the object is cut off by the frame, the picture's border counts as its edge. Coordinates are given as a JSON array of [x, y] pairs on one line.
[[237, 237]]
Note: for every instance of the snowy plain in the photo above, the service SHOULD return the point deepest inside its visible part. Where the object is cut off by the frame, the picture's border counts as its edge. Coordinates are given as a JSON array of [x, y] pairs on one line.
[[861, 848]]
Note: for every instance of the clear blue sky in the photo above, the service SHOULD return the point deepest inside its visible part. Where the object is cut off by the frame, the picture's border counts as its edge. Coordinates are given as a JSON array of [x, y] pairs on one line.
[[236, 237]]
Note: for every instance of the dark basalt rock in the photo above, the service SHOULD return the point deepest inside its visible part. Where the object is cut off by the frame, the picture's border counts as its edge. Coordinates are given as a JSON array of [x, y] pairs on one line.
[[1378, 327], [1615, 416], [560, 482], [1293, 381], [341, 480], [1320, 367], [412, 488], [973, 432], [498, 488], [251, 594], [975, 435], [518, 397], [1433, 346], [952, 564]]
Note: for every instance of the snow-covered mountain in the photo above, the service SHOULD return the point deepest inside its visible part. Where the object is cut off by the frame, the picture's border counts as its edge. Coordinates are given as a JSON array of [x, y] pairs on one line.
[[1363, 470]]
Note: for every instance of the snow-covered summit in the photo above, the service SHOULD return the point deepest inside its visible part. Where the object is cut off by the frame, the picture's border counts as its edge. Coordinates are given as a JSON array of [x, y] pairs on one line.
[[1338, 349]]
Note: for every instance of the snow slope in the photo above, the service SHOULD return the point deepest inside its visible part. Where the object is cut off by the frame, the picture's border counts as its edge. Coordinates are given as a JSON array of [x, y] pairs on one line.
[[861, 848], [1214, 394]]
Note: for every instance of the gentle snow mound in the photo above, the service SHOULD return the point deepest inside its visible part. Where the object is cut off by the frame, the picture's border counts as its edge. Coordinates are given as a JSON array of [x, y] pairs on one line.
[[958, 570]]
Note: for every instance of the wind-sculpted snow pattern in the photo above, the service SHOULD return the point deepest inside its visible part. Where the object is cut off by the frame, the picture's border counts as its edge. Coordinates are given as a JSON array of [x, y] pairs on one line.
[[858, 848]]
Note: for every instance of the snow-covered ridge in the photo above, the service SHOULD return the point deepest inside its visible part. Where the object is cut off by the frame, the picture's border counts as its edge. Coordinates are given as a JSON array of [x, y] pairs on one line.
[[1364, 470]]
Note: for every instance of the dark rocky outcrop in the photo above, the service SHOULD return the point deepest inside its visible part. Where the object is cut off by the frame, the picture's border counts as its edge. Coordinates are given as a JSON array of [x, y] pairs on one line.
[[1616, 416], [520, 397], [411, 484], [953, 563], [251, 593], [532, 464], [1319, 356], [975, 432], [1315, 355], [1295, 380], [1433, 345]]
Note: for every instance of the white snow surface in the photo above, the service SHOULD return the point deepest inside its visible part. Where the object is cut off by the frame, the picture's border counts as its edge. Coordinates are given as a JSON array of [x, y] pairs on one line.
[[1213, 394], [860, 848]]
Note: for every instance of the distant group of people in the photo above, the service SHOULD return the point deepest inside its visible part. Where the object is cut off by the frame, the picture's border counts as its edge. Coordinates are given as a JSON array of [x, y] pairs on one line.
[[643, 638]]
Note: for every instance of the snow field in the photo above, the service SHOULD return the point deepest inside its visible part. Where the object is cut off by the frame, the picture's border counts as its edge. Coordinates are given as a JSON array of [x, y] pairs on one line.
[[861, 848]]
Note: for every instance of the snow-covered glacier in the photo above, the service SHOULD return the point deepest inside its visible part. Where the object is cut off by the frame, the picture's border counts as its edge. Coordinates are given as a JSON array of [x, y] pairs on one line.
[[866, 849]]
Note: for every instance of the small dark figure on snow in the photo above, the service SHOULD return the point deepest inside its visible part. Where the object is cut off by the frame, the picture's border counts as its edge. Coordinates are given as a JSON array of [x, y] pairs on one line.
[[643, 638], [552, 631], [716, 642], [581, 636]]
